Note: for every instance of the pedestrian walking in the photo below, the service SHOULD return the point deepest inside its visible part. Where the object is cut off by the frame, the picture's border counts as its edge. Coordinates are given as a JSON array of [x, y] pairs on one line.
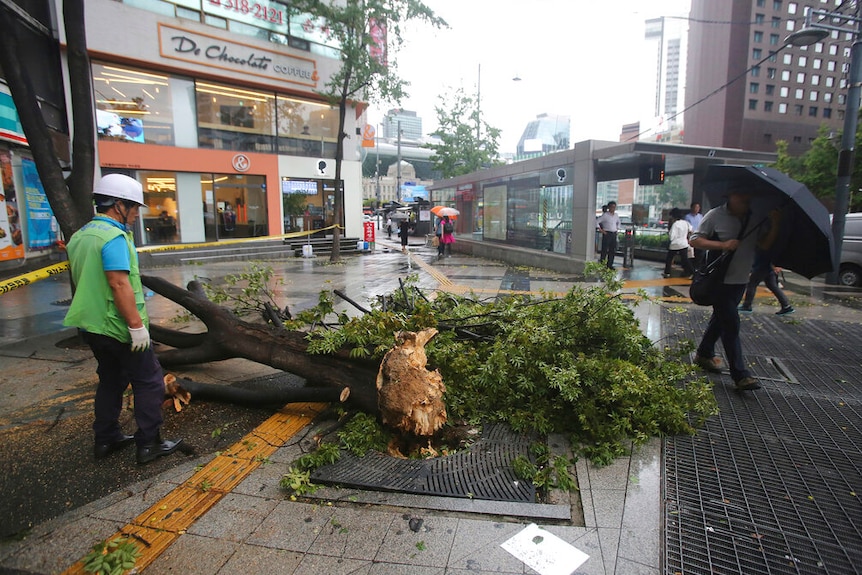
[[108, 307], [679, 232], [609, 224], [404, 233], [694, 217], [726, 228], [388, 227], [764, 271], [447, 237]]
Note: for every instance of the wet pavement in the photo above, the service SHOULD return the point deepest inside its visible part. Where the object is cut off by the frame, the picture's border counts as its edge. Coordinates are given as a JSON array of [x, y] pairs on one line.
[[642, 514]]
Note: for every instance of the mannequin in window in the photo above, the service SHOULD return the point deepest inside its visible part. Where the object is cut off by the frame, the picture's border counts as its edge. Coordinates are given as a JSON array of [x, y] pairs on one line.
[[228, 218]]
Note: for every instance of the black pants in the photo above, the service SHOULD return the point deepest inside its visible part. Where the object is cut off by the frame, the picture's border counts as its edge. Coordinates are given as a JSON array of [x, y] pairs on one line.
[[684, 261], [768, 276], [609, 248], [118, 367], [724, 324]]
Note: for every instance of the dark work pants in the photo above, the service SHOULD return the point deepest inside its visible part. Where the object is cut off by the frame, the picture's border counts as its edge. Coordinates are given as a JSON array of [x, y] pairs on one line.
[[683, 259], [724, 324], [769, 277], [609, 248], [118, 367]]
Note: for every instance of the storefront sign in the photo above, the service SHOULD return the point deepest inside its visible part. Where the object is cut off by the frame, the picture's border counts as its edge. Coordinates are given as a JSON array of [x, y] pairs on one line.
[[261, 13], [241, 163], [39, 214], [368, 231], [214, 52], [10, 125]]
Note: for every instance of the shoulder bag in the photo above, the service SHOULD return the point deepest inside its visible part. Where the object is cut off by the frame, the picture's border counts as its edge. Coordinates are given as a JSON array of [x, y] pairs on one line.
[[710, 275]]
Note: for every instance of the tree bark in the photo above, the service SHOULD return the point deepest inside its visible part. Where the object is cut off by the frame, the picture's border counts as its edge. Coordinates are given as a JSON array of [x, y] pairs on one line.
[[228, 336]]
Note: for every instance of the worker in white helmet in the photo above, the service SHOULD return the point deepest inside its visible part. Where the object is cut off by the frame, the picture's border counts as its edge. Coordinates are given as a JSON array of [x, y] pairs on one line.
[[109, 308]]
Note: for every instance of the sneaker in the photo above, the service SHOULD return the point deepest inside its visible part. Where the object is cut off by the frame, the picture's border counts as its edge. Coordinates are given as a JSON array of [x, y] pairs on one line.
[[710, 364], [785, 310], [744, 309], [665, 275], [747, 384]]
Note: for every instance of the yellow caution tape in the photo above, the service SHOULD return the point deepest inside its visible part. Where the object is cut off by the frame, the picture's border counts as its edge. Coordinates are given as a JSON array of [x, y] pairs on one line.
[[26, 279]]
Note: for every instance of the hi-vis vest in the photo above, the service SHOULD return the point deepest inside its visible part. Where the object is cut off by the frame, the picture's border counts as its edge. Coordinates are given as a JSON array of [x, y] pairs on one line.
[[93, 307]]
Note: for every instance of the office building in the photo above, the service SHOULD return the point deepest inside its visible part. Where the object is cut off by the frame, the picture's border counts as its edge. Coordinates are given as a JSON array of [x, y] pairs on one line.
[[411, 125], [546, 134], [773, 92], [666, 47], [217, 113]]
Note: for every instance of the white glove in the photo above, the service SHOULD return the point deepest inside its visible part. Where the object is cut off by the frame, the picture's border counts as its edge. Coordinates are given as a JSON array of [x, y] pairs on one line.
[[140, 338]]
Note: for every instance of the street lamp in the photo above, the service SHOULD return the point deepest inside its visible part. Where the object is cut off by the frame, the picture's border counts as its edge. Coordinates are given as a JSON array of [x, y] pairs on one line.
[[811, 33]]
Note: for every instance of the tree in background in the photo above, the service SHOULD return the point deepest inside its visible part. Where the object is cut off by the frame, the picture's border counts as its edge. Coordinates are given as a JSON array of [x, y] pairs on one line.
[[369, 35], [817, 168], [468, 143], [672, 193], [71, 198], [294, 206]]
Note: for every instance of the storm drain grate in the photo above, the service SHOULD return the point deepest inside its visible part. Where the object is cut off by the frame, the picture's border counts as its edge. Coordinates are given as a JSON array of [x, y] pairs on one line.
[[773, 484], [484, 471]]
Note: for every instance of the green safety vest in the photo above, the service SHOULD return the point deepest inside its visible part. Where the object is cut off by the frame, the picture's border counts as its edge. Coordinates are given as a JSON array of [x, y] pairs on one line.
[[93, 307]]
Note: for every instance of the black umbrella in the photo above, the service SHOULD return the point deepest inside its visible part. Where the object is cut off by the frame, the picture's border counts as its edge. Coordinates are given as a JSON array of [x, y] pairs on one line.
[[804, 243]]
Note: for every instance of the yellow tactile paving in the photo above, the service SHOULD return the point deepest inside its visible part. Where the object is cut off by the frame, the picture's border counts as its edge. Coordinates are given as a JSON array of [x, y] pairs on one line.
[[159, 526]]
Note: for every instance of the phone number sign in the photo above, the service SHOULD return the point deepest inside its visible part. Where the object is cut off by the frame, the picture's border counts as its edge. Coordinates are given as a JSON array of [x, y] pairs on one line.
[[263, 13]]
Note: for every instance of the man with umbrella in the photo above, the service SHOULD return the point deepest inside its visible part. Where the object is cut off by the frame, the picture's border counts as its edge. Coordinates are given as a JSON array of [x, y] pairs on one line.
[[757, 199]]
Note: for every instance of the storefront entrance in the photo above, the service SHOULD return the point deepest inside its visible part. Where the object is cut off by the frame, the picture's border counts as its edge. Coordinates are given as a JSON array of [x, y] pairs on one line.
[[234, 206]]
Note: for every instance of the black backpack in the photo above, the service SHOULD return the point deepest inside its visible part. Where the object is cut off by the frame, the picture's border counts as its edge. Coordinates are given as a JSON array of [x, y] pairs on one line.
[[448, 228]]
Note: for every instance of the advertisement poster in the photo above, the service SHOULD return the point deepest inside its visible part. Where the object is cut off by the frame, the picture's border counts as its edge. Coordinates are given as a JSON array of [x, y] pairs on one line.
[[11, 246], [39, 214]]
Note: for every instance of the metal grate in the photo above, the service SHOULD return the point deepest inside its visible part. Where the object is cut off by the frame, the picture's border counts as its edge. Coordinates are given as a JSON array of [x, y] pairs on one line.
[[484, 471], [774, 483]]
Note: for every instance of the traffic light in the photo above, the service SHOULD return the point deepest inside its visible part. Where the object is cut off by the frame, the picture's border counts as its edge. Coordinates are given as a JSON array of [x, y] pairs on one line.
[[651, 170]]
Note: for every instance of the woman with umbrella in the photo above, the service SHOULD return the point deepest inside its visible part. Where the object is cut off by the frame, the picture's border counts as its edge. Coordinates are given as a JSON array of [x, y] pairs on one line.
[[445, 230]]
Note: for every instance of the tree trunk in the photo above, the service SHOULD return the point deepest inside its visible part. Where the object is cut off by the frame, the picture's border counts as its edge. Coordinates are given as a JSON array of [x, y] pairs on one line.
[[80, 182], [339, 158], [228, 336], [33, 124]]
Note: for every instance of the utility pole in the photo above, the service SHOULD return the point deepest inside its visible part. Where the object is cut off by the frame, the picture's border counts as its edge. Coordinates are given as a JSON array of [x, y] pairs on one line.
[[848, 143], [398, 166], [478, 104]]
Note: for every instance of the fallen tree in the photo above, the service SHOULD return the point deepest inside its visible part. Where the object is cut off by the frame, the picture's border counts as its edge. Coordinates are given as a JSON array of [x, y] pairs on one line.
[[577, 364]]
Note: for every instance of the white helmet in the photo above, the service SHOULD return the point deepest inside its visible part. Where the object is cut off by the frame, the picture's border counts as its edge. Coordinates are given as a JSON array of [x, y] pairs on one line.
[[120, 187]]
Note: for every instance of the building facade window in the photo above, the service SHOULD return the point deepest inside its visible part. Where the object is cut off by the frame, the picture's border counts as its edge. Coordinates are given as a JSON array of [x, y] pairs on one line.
[[767, 106], [812, 111], [161, 221], [784, 92], [830, 82], [787, 59], [818, 47], [800, 93], [306, 128], [756, 53], [833, 49], [817, 63], [815, 79], [133, 105], [752, 104], [771, 73], [782, 108], [774, 39], [234, 118], [827, 113], [776, 5], [785, 75], [790, 26], [798, 109], [758, 36], [755, 71], [803, 61], [753, 88], [827, 97], [770, 89], [800, 77], [791, 8], [759, 18], [830, 66]]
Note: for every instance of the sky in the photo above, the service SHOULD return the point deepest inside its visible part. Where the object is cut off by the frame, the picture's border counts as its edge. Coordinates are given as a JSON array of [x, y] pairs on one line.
[[580, 58]]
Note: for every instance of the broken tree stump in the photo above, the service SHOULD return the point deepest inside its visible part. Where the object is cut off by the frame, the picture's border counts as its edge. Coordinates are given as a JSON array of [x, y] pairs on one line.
[[410, 397]]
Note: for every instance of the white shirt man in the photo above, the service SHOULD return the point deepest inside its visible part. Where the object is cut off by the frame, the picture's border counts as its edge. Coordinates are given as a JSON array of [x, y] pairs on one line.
[[609, 224]]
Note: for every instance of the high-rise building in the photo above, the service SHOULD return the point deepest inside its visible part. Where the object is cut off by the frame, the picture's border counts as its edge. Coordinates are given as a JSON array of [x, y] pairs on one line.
[[666, 39], [771, 91], [411, 125], [545, 134]]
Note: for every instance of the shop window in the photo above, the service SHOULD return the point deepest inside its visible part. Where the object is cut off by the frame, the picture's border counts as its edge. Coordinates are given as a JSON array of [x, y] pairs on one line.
[[162, 218], [133, 105], [306, 128], [235, 118], [234, 206]]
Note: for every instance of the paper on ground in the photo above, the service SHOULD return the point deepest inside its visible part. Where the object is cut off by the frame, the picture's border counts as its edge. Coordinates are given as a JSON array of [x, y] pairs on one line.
[[544, 552]]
